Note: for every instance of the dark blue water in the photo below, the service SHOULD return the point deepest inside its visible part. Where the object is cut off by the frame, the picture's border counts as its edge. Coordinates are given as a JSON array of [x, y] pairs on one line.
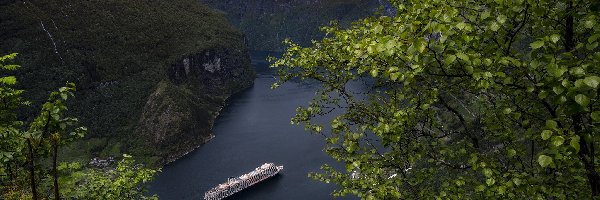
[[254, 128]]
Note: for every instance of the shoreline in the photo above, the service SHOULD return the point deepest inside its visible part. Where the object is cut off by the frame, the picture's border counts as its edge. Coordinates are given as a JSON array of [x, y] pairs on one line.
[[212, 123]]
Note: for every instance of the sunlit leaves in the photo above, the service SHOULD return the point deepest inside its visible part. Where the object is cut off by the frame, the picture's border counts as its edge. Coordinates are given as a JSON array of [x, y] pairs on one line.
[[544, 160], [596, 116], [8, 80], [50, 129], [450, 59], [554, 38], [590, 23], [592, 81], [551, 124], [374, 73], [6, 58], [127, 180], [557, 140], [463, 57], [582, 100], [511, 153], [546, 134], [461, 25], [466, 91], [10, 126], [575, 143], [537, 44]]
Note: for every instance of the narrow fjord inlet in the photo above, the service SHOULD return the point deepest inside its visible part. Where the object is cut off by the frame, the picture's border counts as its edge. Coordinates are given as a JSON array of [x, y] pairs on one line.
[[252, 129]]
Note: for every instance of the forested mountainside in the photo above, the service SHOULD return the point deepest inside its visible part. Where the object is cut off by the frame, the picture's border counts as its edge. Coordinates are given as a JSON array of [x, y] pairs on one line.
[[151, 75], [268, 22]]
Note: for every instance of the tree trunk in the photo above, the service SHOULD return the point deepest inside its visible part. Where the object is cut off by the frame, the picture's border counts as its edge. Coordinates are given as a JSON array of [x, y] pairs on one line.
[[594, 180], [10, 172], [591, 173], [585, 154], [31, 168], [569, 43], [54, 169]]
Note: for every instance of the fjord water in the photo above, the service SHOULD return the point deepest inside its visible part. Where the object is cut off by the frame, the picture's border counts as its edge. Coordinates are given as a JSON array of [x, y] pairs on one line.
[[252, 129]]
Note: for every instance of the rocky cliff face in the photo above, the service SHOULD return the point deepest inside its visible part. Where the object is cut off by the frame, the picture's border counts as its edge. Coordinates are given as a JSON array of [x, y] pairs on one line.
[[178, 116], [216, 71], [268, 22]]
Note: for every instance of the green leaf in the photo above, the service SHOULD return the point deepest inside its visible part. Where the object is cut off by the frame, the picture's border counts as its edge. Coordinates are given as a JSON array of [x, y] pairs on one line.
[[591, 46], [544, 160], [421, 45], [488, 172], [461, 25], [590, 23], [557, 141], [485, 15], [577, 71], [596, 116], [490, 181], [555, 70], [374, 73], [537, 44], [10, 67], [575, 143], [450, 59], [593, 38], [394, 76], [546, 134], [494, 26], [378, 28], [501, 19], [579, 83], [554, 38], [582, 100], [517, 181], [463, 56], [558, 89], [551, 124], [511, 153], [469, 69], [8, 80], [592, 81]]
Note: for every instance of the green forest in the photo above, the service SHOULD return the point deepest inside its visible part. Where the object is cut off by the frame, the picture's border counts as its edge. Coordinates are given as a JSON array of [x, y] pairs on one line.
[[119, 65], [466, 99]]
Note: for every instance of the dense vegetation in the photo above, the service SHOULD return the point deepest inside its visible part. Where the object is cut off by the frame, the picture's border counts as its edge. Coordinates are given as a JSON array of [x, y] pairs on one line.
[[29, 167], [487, 99], [120, 54], [267, 22]]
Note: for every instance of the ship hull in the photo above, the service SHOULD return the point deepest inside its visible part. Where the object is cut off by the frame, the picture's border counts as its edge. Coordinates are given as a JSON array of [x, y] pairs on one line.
[[235, 185]]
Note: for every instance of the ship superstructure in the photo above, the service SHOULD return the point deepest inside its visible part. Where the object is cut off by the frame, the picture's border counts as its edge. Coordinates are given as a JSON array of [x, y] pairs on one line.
[[234, 185]]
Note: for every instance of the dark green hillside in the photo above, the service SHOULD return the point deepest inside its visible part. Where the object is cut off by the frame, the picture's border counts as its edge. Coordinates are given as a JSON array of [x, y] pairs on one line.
[[140, 67], [268, 22]]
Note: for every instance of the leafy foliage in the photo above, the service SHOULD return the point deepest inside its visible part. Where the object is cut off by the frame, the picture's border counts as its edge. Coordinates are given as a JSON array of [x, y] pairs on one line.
[[24, 173], [126, 181], [10, 145], [469, 99], [52, 124]]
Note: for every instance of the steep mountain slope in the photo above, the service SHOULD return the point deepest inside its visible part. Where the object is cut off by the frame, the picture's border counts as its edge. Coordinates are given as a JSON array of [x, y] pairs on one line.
[[151, 75], [268, 22]]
